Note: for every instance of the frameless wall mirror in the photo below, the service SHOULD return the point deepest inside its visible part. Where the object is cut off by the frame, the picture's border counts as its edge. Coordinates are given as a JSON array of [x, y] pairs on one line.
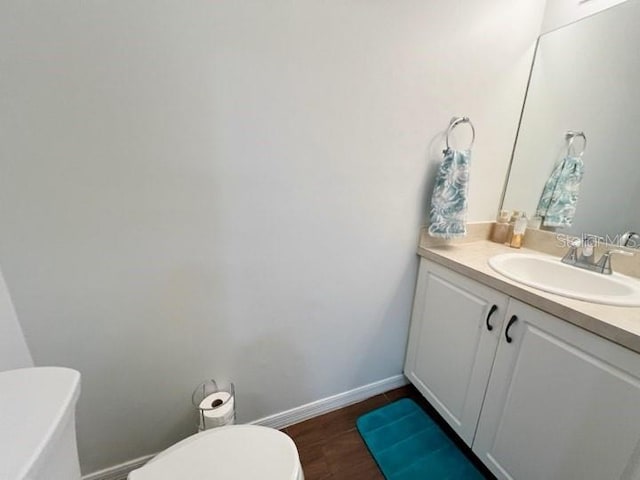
[[585, 78]]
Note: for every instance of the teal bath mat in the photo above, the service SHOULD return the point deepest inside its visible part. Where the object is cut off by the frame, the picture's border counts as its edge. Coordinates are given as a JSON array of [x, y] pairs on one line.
[[408, 445]]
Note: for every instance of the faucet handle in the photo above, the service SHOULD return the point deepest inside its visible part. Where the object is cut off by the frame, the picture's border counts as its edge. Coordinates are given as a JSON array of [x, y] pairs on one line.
[[604, 264], [571, 257]]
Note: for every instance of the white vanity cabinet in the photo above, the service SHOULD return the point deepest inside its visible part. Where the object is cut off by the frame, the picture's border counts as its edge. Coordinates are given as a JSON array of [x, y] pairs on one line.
[[536, 397], [455, 327], [562, 403]]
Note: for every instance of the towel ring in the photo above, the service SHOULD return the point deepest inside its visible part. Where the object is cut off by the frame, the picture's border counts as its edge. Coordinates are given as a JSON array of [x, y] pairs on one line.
[[570, 136], [455, 121]]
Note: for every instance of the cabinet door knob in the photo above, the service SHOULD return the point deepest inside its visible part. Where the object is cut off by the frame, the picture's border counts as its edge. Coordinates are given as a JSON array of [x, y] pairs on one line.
[[512, 320], [491, 312]]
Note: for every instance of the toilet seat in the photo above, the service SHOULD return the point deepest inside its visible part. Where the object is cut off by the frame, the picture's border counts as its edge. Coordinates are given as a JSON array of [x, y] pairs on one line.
[[238, 452]]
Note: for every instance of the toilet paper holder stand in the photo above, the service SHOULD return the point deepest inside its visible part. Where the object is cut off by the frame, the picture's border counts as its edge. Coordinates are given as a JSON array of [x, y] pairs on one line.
[[215, 402]]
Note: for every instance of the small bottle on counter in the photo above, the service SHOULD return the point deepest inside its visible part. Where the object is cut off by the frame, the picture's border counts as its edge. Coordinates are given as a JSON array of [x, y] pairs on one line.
[[519, 228], [512, 222], [501, 227], [535, 222]]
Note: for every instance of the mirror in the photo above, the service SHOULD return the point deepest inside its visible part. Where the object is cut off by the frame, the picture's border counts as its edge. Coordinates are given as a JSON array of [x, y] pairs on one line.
[[585, 78]]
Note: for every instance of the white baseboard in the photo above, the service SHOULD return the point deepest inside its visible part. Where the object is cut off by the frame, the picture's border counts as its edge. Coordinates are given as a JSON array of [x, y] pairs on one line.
[[278, 420], [325, 405]]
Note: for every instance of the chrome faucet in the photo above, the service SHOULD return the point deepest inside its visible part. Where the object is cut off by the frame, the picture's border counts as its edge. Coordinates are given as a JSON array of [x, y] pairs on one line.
[[571, 257], [586, 259]]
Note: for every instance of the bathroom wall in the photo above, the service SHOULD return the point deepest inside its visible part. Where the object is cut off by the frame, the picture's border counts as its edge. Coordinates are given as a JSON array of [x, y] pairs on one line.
[[562, 12], [14, 352], [234, 189]]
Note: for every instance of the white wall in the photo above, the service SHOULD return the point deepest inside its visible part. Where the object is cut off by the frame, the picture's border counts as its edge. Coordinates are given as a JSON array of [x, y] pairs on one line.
[[234, 189], [14, 352], [562, 12]]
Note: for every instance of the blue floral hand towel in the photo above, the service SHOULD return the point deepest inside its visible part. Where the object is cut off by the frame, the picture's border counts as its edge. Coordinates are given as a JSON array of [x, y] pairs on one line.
[[557, 205], [447, 218]]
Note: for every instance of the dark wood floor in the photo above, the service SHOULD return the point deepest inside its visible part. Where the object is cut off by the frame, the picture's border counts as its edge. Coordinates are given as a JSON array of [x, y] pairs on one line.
[[331, 448]]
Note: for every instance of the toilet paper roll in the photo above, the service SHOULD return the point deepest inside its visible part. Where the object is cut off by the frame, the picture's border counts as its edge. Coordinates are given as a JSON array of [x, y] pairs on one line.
[[217, 410]]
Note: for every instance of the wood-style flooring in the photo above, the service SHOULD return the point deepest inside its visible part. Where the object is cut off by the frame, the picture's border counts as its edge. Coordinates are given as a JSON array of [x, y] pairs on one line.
[[331, 448]]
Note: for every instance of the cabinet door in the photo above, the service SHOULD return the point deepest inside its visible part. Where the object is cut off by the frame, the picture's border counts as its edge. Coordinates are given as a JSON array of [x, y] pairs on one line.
[[455, 327], [562, 403]]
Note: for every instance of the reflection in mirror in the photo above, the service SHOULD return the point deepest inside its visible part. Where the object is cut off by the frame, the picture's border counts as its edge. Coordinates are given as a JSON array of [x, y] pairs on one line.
[[585, 78]]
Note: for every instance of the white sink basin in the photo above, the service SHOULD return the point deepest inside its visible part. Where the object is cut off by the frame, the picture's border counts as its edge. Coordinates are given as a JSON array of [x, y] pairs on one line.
[[551, 275]]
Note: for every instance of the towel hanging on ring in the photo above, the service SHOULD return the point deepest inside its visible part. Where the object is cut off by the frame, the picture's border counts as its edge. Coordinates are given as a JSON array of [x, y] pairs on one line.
[[557, 205], [448, 213]]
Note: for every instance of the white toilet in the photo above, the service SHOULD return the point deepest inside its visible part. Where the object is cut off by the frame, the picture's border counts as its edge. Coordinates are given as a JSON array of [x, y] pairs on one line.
[[38, 440], [37, 424], [237, 452]]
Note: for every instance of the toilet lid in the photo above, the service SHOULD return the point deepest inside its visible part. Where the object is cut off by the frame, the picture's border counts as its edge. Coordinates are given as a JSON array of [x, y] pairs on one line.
[[237, 452]]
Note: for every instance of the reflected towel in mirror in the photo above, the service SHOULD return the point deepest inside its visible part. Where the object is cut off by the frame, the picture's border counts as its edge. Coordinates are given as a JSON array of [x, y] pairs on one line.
[[557, 205], [447, 217]]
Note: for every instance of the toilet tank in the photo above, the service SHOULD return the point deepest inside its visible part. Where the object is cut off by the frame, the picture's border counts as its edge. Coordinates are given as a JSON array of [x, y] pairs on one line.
[[37, 424]]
